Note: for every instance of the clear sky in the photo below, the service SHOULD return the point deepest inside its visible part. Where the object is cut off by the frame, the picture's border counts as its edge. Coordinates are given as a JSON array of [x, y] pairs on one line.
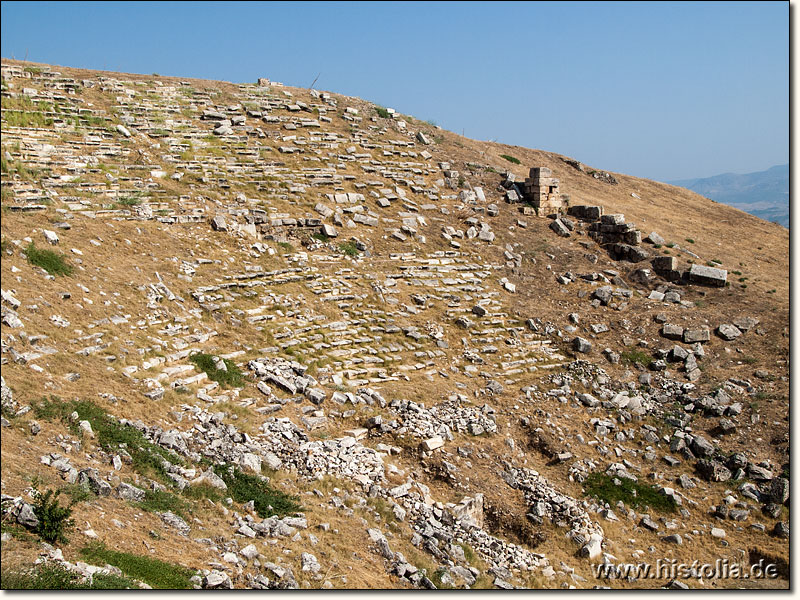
[[654, 89]]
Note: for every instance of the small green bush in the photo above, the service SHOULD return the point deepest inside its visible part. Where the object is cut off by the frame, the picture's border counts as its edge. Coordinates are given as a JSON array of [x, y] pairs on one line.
[[48, 260], [18, 118], [233, 377], [690, 240], [112, 436], [349, 248], [510, 159], [202, 491], [19, 532], [54, 576], [632, 493], [636, 357], [154, 572], [158, 501], [382, 112], [78, 492], [244, 487], [54, 519]]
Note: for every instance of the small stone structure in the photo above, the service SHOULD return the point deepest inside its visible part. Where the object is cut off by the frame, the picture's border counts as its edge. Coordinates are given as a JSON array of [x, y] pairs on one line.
[[621, 239], [541, 190]]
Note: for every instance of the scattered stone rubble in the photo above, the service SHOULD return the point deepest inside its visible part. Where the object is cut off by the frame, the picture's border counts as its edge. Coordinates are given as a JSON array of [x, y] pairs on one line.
[[322, 200]]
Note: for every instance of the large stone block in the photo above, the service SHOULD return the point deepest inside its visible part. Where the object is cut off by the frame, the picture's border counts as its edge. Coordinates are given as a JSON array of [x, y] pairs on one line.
[[585, 212], [664, 263], [537, 172], [708, 275]]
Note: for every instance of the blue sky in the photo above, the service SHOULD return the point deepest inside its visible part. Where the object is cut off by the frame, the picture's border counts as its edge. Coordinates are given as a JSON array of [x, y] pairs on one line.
[[660, 90]]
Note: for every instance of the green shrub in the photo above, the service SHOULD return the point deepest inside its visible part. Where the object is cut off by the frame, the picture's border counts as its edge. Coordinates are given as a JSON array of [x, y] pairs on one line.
[[349, 248], [637, 357], [154, 572], [632, 493], [382, 507], [18, 531], [202, 491], [244, 487], [382, 112], [48, 260], [690, 240], [18, 118], [54, 576], [78, 492], [232, 377], [510, 159], [158, 501], [112, 436], [54, 519]]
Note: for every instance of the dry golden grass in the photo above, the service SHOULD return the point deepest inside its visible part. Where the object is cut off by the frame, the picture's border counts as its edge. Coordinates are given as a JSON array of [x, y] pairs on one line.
[[757, 249]]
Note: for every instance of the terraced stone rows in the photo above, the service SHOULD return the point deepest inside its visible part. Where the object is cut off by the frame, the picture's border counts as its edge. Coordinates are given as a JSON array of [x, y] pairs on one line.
[[166, 214]]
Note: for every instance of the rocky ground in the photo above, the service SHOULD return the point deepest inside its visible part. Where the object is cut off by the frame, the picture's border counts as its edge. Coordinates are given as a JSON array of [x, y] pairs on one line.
[[268, 337]]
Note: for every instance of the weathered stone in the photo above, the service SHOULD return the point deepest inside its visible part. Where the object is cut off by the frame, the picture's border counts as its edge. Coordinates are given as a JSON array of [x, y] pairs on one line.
[[697, 334], [648, 523], [728, 332], [27, 517], [130, 492], [781, 530], [433, 443], [309, 563], [758, 473], [218, 223], [674, 538], [581, 345], [779, 490], [717, 532], [175, 522], [217, 580], [593, 548], [560, 228], [654, 238], [711, 470], [708, 275], [701, 446], [745, 324]]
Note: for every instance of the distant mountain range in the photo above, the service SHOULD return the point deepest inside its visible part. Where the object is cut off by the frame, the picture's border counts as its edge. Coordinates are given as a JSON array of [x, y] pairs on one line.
[[764, 194]]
